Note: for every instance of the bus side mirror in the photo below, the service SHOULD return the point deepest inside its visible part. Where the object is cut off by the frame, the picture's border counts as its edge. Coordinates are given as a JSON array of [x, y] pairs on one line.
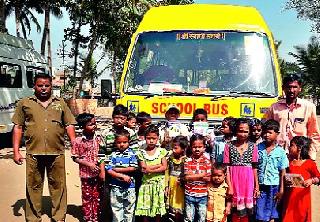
[[106, 89]]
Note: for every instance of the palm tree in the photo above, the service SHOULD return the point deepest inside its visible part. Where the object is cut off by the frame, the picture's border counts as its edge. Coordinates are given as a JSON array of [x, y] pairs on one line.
[[309, 61], [91, 71], [52, 7], [2, 17], [23, 15], [287, 68]]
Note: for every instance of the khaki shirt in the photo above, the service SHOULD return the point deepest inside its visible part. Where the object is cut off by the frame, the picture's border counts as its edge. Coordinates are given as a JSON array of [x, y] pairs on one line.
[[216, 202], [300, 119], [44, 128]]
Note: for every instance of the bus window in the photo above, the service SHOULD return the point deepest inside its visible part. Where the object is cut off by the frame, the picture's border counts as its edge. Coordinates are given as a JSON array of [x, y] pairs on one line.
[[218, 61], [10, 76], [31, 72]]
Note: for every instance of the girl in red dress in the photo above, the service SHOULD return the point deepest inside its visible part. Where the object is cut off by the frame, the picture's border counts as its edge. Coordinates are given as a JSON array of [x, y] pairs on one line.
[[297, 199]]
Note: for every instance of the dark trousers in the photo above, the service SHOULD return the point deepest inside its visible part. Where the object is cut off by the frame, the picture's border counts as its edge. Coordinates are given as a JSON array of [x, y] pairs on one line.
[[36, 165]]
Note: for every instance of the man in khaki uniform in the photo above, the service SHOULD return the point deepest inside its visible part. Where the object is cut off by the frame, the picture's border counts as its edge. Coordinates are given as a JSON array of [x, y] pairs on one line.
[[43, 119]]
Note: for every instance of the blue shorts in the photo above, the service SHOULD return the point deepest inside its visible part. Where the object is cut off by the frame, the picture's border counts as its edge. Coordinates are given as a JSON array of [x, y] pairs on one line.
[[266, 204]]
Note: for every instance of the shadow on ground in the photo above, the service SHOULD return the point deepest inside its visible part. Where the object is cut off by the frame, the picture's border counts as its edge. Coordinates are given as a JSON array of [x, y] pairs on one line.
[[6, 154], [20, 205]]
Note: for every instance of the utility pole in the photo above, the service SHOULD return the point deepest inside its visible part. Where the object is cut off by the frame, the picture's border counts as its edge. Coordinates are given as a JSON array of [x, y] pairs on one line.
[[62, 53]]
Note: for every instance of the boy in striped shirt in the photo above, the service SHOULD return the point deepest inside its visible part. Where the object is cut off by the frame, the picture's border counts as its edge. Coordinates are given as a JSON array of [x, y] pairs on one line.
[[122, 166], [197, 170]]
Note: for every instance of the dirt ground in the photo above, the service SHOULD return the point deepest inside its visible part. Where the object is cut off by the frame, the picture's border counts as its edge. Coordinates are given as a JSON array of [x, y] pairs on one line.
[[12, 191]]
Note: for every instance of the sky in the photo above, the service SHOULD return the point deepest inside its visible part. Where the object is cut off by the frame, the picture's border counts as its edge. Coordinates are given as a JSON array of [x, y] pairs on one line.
[[283, 23], [57, 34]]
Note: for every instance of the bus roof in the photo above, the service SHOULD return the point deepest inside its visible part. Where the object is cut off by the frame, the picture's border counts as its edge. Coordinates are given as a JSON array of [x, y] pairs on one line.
[[14, 41], [12, 47], [203, 17]]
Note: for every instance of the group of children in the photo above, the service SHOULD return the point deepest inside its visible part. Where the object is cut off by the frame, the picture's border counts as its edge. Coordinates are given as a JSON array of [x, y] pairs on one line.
[[181, 173]]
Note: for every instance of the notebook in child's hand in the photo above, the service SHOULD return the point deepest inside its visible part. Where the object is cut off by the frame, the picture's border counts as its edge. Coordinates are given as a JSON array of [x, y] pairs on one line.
[[200, 128], [174, 128], [296, 179]]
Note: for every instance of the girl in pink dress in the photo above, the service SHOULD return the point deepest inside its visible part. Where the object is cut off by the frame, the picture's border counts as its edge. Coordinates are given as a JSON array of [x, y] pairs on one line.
[[242, 157]]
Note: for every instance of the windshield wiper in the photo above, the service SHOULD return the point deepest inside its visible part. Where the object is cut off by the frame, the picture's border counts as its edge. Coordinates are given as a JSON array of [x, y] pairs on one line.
[[251, 93], [235, 94], [213, 97], [138, 93], [149, 95], [184, 94]]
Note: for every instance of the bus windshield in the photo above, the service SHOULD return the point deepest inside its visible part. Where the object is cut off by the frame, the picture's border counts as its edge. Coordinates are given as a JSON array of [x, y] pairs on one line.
[[201, 62]]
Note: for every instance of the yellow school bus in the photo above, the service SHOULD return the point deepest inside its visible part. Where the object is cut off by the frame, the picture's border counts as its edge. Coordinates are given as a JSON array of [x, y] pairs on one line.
[[217, 57]]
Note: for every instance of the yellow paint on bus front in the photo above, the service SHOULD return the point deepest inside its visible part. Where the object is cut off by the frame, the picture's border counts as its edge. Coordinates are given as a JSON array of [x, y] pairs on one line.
[[217, 57]]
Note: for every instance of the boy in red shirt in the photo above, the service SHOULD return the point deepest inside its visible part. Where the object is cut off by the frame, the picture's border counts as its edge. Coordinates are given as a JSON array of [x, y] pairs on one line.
[[197, 170]]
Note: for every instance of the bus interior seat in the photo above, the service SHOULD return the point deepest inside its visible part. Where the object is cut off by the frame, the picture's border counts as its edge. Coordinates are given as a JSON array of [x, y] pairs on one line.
[[5, 80], [17, 83]]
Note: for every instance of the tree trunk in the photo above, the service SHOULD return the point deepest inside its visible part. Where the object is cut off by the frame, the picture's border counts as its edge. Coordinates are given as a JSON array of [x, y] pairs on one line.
[[80, 85], [92, 45], [114, 71], [45, 30], [17, 17], [76, 52], [2, 17], [49, 44]]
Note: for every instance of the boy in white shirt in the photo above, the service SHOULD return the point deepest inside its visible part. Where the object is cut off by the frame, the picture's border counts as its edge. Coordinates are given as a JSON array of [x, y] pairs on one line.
[[172, 127]]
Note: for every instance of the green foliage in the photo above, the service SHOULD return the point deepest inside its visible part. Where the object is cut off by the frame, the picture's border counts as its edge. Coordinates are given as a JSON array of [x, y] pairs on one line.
[[91, 72], [307, 9], [111, 22], [287, 68], [121, 23], [24, 15], [175, 2], [78, 21], [308, 59], [72, 82], [49, 7], [55, 7], [85, 13]]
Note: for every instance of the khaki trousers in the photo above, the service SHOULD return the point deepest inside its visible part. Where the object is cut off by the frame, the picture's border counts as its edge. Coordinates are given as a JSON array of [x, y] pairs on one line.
[[36, 165]]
